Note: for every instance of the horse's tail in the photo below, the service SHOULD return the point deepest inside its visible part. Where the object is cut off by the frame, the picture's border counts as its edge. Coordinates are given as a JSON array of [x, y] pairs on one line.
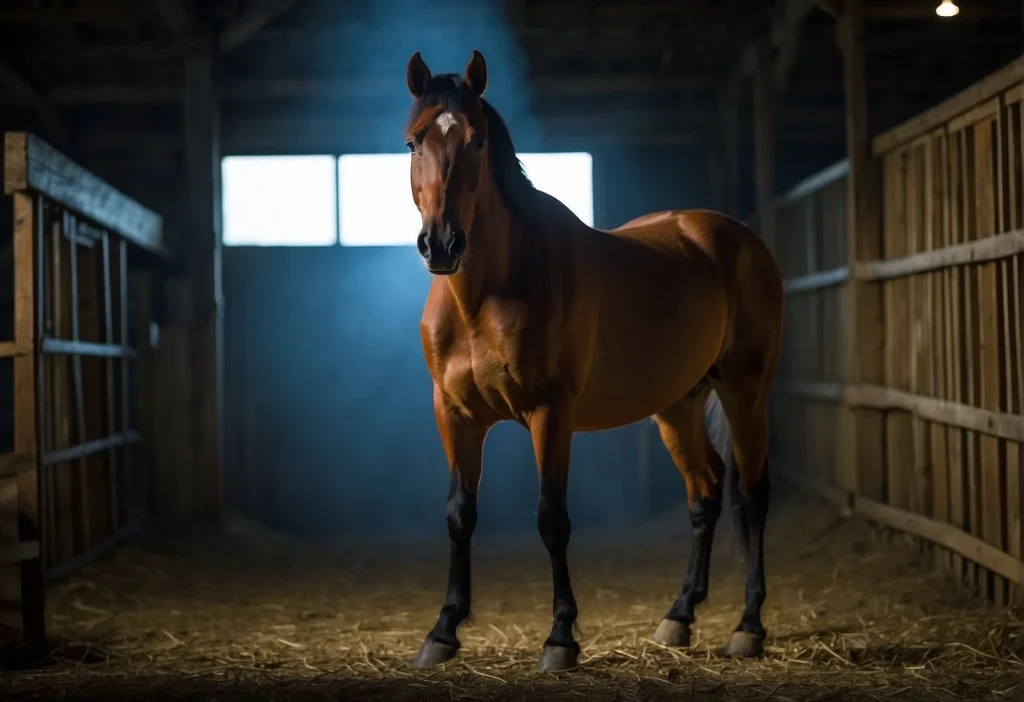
[[717, 426]]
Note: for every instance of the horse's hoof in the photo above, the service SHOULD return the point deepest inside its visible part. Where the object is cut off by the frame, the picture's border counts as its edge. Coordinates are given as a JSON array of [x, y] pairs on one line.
[[433, 653], [744, 645], [554, 658], [672, 633]]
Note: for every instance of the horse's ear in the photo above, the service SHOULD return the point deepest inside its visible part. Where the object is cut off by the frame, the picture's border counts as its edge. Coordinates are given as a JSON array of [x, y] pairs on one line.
[[476, 73], [417, 75]]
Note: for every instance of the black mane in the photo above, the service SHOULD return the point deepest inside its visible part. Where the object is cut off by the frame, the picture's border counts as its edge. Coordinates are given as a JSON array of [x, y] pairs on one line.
[[450, 92]]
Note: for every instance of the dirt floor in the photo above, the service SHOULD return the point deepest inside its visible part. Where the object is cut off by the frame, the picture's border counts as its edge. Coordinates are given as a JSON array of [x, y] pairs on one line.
[[853, 612]]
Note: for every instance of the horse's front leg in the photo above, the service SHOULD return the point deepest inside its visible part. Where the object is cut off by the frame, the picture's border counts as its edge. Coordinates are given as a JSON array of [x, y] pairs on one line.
[[463, 442], [551, 430]]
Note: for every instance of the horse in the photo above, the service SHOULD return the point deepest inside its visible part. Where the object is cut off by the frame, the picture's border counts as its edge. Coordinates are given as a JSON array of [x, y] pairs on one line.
[[534, 317]]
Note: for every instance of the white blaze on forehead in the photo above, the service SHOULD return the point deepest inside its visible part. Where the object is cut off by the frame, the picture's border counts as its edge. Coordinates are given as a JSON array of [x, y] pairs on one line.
[[446, 121]]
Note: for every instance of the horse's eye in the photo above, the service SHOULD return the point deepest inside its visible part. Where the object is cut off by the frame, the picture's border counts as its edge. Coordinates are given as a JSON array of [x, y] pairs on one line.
[[480, 143], [411, 145]]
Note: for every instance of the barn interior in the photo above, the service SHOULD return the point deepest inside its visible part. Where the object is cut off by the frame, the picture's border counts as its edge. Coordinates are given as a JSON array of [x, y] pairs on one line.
[[220, 475]]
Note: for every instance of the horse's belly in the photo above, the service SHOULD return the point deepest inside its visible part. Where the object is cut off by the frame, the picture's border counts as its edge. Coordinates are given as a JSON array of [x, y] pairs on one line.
[[646, 357]]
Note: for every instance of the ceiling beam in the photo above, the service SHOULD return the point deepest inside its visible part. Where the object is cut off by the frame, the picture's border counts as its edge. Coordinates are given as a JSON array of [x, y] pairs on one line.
[[179, 16], [786, 19], [245, 25], [268, 89], [26, 91]]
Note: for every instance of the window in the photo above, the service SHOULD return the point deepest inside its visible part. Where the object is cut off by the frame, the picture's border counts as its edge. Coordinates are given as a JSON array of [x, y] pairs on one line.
[[376, 202], [279, 200], [358, 200]]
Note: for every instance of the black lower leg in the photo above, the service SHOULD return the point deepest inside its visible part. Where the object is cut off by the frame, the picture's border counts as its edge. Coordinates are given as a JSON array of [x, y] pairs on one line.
[[553, 524], [704, 515], [461, 523], [755, 510]]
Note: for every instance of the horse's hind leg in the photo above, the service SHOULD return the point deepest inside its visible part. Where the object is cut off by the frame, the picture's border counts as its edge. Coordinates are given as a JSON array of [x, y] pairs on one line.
[[682, 431], [746, 408]]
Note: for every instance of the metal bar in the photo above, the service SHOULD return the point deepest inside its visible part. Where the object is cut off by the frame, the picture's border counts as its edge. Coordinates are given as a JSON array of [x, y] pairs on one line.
[[72, 347], [62, 570], [89, 448], [108, 336], [127, 477], [81, 479]]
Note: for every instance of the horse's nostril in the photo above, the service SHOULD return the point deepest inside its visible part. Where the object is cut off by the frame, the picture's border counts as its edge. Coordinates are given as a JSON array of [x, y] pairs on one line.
[[422, 246], [457, 245]]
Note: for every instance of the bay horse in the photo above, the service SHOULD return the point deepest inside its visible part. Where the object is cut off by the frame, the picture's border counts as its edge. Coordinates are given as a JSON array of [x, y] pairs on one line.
[[535, 317]]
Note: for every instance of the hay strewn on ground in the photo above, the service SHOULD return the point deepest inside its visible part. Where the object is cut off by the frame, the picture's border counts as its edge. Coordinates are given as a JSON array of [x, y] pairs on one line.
[[852, 613]]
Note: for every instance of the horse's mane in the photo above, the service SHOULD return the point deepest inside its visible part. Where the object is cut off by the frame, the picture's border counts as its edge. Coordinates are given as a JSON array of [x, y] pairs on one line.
[[449, 90]]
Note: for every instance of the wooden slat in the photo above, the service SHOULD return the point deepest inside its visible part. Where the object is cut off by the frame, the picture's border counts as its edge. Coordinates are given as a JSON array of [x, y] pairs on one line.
[[1000, 424], [821, 280], [30, 164], [70, 347], [978, 251], [945, 535], [814, 183], [1007, 78]]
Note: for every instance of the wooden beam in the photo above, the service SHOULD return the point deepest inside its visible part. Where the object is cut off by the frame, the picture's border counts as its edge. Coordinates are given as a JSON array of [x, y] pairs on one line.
[[861, 442], [245, 25], [33, 166], [206, 328], [764, 131], [788, 15], [29, 94], [179, 16], [81, 94]]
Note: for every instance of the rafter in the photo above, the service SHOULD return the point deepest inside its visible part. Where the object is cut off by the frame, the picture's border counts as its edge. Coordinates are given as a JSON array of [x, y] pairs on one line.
[[788, 16], [259, 15]]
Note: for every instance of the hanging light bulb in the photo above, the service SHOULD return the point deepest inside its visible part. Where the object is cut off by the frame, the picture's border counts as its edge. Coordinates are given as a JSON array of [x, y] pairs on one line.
[[947, 8]]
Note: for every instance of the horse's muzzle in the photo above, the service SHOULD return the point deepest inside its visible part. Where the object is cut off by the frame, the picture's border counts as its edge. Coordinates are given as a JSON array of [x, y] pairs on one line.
[[441, 251]]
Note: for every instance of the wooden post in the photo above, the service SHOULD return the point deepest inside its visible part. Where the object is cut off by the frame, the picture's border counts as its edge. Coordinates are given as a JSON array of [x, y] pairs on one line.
[[860, 451], [764, 164], [203, 217]]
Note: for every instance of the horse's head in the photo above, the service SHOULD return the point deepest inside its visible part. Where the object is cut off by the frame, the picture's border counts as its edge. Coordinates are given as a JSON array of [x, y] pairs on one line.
[[447, 135]]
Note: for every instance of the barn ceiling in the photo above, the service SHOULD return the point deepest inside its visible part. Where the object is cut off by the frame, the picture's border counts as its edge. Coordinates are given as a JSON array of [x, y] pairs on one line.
[[298, 73]]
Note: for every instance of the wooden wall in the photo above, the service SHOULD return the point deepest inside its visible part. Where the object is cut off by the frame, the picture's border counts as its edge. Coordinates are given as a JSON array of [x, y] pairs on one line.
[[946, 462]]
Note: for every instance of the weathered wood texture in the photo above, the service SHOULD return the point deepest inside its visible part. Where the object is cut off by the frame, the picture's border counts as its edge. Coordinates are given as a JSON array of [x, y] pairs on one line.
[[69, 480], [950, 468]]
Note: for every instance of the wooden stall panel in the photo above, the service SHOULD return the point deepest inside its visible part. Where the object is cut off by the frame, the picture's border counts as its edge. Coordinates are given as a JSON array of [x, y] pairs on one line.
[[1011, 212]]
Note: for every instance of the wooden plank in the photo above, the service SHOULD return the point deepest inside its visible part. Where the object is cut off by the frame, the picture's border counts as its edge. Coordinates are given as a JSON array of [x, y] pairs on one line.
[[202, 156], [945, 535], [861, 430], [30, 164], [983, 250], [814, 183], [28, 287], [957, 437], [940, 361], [878, 397], [72, 347], [989, 381], [820, 280], [1008, 77]]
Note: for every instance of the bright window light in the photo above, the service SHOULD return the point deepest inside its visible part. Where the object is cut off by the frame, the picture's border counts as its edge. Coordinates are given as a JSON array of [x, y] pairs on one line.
[[376, 200], [279, 200]]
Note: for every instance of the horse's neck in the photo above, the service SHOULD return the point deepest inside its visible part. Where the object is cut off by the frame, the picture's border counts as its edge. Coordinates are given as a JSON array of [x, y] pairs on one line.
[[495, 256]]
